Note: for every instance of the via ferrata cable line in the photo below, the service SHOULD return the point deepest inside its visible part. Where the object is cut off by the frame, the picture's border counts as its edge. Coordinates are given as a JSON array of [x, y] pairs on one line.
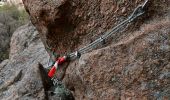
[[140, 10]]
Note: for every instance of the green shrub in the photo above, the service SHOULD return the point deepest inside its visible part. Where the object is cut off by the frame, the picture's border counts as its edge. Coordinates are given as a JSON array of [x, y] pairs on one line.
[[12, 10]]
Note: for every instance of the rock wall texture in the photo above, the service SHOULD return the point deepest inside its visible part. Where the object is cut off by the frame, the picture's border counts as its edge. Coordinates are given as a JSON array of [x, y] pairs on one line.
[[136, 68], [20, 76], [7, 26], [135, 65], [67, 24]]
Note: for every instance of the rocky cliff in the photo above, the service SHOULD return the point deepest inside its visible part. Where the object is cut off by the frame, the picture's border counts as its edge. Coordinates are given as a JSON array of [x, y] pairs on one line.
[[20, 74], [134, 64], [7, 26], [135, 68]]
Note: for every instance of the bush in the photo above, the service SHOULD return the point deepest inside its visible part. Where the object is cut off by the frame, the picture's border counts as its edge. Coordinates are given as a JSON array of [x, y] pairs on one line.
[[15, 13]]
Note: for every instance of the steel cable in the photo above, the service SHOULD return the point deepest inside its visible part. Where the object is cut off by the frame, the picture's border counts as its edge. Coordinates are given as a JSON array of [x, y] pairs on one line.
[[136, 13]]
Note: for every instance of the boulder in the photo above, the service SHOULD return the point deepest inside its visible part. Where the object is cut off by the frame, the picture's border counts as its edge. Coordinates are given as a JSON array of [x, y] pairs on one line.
[[68, 24], [20, 75], [135, 64], [136, 68], [7, 26]]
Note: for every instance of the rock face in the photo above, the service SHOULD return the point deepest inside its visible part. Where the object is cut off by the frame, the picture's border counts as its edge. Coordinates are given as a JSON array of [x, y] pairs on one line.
[[134, 66], [7, 26], [20, 76], [67, 24]]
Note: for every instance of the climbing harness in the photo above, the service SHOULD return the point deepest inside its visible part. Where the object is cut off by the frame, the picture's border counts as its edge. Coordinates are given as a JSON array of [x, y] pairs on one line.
[[140, 10]]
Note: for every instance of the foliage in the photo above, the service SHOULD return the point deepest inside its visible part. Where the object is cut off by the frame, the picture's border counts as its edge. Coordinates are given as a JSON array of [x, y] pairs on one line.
[[17, 14]]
